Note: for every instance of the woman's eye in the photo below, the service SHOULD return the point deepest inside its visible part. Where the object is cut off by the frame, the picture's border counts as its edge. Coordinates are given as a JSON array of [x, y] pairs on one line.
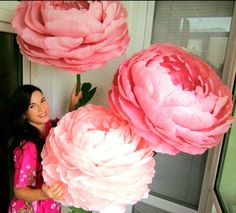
[[32, 106], [43, 100]]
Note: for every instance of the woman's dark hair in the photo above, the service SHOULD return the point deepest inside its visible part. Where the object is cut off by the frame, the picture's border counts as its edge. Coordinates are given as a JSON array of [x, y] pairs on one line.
[[21, 129]]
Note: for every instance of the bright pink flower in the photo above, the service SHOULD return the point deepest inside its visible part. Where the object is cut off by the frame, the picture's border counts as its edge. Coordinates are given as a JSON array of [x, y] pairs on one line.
[[75, 36], [173, 99], [102, 163]]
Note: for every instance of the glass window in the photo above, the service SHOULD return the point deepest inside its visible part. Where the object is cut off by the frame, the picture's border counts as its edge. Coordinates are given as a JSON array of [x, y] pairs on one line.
[[200, 26], [226, 178]]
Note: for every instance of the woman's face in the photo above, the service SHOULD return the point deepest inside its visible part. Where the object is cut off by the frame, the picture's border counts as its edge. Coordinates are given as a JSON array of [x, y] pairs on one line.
[[38, 110]]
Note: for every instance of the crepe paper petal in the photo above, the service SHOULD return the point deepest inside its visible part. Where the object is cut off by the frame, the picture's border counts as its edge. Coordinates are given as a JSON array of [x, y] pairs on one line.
[[75, 36], [173, 99], [102, 164]]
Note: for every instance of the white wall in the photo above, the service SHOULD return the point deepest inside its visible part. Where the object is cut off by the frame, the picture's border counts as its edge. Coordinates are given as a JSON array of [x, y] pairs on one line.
[[57, 84]]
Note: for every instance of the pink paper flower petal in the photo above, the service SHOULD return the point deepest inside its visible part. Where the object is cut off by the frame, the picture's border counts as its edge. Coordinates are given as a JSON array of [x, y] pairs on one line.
[[75, 36], [173, 99], [100, 161]]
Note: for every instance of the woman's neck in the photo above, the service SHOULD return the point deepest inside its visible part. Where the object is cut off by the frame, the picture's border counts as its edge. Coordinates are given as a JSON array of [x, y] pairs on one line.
[[41, 128], [43, 132]]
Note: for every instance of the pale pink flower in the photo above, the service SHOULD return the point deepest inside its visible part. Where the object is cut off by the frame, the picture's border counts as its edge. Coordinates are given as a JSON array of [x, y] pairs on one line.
[[173, 99], [104, 165], [74, 36]]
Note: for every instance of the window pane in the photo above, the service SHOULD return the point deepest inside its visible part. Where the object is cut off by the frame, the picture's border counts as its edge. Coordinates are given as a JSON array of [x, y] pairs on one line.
[[203, 28], [200, 26], [179, 178], [142, 207], [225, 183]]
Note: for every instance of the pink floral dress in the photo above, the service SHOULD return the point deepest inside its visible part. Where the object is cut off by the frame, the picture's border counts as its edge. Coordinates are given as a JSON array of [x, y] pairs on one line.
[[28, 172]]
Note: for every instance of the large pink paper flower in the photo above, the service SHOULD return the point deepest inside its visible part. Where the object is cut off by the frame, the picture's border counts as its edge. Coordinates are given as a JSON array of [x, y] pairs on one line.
[[173, 99], [75, 36], [101, 162]]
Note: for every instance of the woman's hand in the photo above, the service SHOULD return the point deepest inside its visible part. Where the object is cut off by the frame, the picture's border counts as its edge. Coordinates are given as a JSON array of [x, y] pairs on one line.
[[54, 192], [29, 194], [74, 98]]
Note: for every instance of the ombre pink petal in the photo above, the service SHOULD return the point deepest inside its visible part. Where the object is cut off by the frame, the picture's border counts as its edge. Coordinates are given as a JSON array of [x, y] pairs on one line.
[[95, 37], [63, 43], [75, 36], [173, 99], [101, 163], [33, 18], [32, 51], [18, 23], [70, 28]]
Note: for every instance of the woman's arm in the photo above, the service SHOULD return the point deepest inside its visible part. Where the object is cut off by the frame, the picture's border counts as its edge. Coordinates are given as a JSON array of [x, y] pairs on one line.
[[27, 193]]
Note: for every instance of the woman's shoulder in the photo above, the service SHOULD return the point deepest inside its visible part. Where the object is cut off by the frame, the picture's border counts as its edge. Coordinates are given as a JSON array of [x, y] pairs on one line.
[[54, 122], [25, 145], [51, 123]]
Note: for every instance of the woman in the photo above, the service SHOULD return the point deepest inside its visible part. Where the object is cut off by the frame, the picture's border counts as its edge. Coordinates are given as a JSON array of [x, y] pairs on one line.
[[30, 126]]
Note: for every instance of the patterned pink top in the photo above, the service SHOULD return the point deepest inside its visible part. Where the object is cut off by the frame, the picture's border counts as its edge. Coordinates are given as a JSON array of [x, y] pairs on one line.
[[28, 172]]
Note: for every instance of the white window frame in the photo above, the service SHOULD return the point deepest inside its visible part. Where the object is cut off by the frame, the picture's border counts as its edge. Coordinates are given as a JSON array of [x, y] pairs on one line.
[[208, 200]]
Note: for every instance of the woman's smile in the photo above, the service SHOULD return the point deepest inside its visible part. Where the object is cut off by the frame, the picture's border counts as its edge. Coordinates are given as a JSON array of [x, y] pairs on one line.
[[38, 111]]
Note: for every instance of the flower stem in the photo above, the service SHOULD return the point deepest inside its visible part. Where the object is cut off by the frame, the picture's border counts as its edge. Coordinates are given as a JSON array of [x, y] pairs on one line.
[[78, 83], [86, 89]]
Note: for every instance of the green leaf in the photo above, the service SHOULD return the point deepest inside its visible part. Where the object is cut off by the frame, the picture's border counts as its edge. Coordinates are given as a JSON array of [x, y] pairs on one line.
[[27, 203], [87, 94], [78, 210], [86, 87]]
